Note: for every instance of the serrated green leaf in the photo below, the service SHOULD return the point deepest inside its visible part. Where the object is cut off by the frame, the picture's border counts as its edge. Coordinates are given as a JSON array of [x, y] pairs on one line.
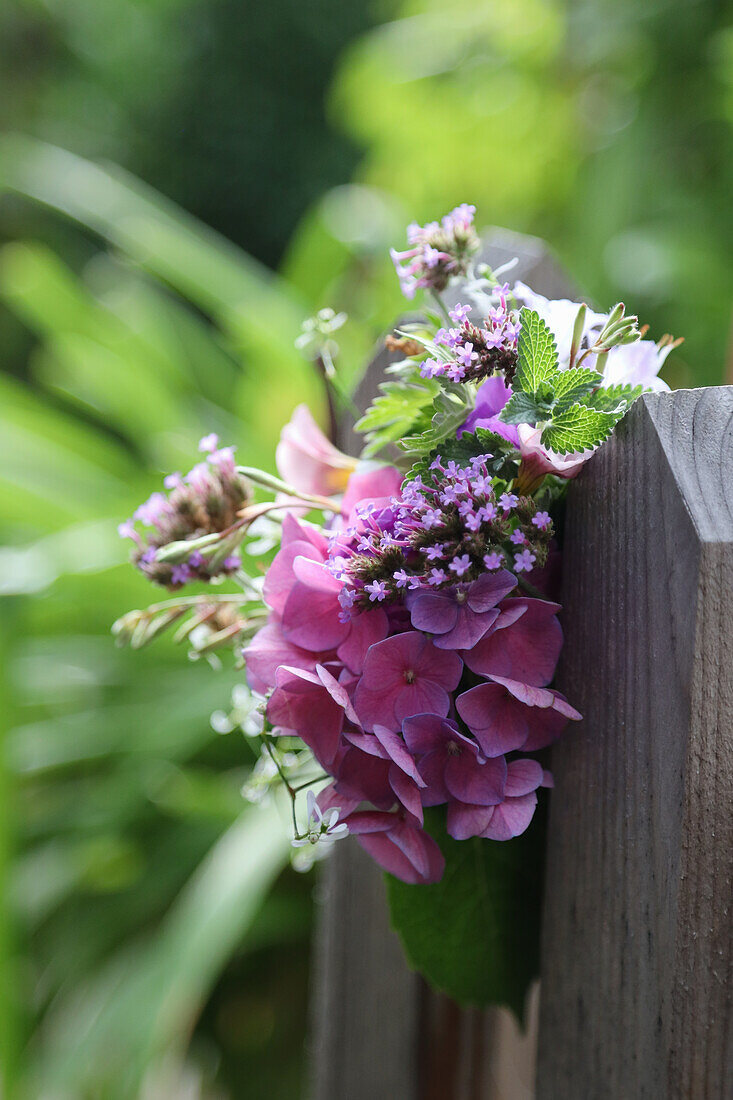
[[398, 410], [610, 398], [579, 429], [572, 385], [536, 351], [522, 408], [475, 934], [450, 409]]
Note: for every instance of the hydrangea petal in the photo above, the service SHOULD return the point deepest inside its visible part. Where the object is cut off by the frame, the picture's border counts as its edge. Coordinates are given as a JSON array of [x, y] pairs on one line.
[[267, 651], [367, 629], [480, 784], [398, 753], [490, 589], [499, 722], [523, 776], [527, 651], [406, 791], [311, 618], [464, 821], [511, 818]]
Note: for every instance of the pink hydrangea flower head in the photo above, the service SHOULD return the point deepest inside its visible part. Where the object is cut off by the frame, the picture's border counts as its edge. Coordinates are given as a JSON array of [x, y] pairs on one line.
[[405, 675]]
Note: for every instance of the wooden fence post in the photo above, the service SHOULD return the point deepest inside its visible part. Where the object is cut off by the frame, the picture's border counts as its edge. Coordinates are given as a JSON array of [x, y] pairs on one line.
[[378, 1033], [637, 961]]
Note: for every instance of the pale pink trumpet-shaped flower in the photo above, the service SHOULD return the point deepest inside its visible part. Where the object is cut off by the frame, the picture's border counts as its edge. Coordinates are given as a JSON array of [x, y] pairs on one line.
[[308, 461]]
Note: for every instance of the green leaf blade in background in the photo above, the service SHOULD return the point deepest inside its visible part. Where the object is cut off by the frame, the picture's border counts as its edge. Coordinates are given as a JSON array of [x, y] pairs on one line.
[[475, 934]]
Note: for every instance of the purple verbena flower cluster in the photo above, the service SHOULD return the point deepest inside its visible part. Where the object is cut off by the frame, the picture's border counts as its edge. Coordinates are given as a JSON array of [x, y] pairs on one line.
[[446, 532], [204, 501], [437, 251], [468, 352]]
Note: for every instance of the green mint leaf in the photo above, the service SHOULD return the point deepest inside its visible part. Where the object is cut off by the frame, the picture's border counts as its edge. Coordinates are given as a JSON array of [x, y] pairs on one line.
[[579, 429], [611, 398], [536, 352], [523, 408], [572, 385], [475, 934]]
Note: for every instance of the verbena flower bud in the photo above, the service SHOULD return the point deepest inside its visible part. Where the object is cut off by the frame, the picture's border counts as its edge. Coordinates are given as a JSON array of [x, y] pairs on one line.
[[188, 537]]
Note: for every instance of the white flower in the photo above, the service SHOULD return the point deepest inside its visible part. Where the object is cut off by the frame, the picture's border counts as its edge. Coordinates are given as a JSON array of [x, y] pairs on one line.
[[628, 364], [322, 828]]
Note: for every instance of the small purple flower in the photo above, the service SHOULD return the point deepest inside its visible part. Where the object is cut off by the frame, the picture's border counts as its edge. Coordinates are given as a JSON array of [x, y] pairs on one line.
[[432, 368], [459, 314], [209, 443], [433, 517], [494, 560], [199, 478], [180, 574], [460, 565], [437, 576], [377, 590], [542, 520], [155, 508], [401, 578], [523, 562], [465, 354], [517, 537], [447, 337], [173, 481], [196, 560], [223, 459], [508, 501], [455, 372]]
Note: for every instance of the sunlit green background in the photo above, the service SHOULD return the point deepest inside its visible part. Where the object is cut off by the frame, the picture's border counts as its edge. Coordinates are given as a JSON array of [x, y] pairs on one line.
[[181, 182]]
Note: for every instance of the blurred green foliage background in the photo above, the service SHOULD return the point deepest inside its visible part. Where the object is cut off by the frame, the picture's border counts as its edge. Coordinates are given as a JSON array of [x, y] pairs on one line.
[[181, 183]]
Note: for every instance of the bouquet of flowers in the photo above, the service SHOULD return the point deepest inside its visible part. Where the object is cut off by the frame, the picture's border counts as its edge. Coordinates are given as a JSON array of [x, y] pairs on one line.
[[401, 644]]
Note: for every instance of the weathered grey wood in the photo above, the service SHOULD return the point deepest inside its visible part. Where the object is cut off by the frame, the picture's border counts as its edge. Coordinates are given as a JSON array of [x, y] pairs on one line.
[[637, 941], [378, 1031]]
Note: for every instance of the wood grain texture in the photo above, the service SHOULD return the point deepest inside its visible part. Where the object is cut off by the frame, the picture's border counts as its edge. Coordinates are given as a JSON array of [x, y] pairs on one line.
[[637, 938], [377, 1030]]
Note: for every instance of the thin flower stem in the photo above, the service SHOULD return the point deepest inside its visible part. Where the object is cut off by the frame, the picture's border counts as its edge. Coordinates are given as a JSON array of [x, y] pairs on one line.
[[269, 481], [270, 748], [441, 305], [309, 782]]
